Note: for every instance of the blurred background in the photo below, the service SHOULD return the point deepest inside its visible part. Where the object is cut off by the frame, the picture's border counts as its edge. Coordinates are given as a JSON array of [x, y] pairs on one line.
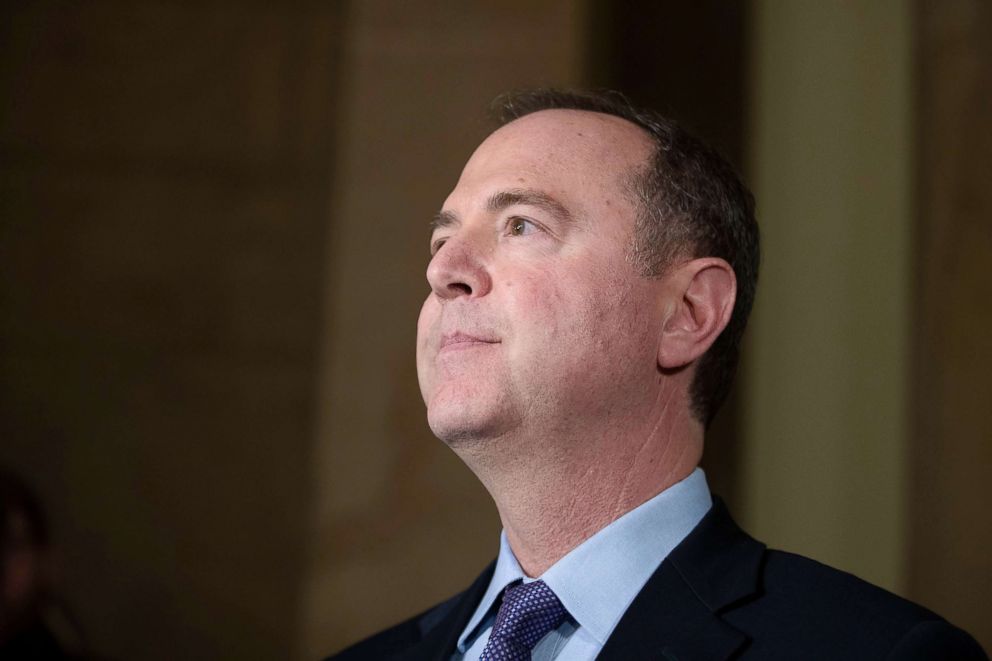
[[213, 233]]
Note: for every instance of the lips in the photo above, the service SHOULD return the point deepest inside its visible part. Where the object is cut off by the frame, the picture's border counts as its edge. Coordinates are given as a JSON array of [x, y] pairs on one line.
[[463, 340]]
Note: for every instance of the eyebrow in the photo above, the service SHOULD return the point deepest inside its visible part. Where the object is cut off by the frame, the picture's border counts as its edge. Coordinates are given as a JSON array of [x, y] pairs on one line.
[[444, 219], [507, 198], [533, 198]]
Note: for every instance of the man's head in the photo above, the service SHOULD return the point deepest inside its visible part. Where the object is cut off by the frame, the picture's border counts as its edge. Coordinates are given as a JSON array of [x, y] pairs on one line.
[[570, 276], [691, 203]]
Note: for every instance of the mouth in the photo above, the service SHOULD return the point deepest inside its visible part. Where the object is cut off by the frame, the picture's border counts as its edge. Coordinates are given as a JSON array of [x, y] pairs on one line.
[[459, 340]]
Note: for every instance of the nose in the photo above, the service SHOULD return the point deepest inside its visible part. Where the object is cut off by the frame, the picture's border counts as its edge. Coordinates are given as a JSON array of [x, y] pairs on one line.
[[458, 269]]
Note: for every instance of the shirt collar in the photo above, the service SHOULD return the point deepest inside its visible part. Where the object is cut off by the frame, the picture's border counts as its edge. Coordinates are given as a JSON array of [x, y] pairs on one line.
[[507, 571], [598, 580]]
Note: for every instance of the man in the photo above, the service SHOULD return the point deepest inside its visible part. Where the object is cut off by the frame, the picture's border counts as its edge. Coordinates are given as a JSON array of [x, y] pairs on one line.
[[591, 277]]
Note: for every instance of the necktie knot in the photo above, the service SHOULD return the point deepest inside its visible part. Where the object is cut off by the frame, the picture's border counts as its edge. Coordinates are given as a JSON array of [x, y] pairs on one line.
[[528, 612]]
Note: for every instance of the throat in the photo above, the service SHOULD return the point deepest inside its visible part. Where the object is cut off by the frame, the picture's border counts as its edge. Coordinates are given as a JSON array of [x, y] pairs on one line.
[[543, 524]]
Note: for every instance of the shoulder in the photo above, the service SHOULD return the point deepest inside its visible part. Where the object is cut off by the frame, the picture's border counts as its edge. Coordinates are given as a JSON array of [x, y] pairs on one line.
[[833, 614], [429, 635], [794, 581], [398, 638], [781, 605]]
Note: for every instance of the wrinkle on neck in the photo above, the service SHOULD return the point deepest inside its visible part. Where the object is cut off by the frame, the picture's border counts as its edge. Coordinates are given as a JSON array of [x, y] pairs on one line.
[[553, 493]]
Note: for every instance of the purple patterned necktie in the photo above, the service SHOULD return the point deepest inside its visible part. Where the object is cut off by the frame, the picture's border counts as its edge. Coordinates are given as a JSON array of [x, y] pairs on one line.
[[528, 612]]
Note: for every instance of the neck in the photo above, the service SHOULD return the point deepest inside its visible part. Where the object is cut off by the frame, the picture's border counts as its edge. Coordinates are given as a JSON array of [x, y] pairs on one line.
[[555, 491]]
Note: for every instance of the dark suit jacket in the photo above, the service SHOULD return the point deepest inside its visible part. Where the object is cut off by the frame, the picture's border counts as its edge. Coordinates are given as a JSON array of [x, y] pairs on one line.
[[722, 595]]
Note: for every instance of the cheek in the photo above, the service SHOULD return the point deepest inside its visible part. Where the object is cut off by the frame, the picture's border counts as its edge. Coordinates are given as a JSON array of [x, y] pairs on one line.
[[535, 307], [581, 306], [426, 320], [426, 339], [555, 319], [593, 323]]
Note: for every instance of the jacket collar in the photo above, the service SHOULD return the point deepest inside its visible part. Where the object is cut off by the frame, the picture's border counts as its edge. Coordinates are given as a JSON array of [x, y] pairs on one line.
[[441, 627], [676, 616], [678, 613]]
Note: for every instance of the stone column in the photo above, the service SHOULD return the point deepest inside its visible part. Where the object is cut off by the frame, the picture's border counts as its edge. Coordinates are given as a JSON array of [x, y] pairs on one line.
[[826, 382]]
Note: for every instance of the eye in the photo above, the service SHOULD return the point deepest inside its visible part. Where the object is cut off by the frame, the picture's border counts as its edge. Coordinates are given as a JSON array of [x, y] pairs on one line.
[[436, 245], [520, 227]]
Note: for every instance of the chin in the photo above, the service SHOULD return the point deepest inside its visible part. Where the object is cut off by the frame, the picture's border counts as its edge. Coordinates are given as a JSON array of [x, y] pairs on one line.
[[469, 409], [456, 432], [461, 424]]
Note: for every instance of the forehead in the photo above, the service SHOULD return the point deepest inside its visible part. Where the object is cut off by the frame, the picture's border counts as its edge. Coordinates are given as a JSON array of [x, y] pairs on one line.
[[563, 152]]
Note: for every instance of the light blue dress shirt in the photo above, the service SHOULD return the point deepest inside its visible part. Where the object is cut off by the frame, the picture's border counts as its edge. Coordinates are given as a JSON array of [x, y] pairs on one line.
[[597, 580]]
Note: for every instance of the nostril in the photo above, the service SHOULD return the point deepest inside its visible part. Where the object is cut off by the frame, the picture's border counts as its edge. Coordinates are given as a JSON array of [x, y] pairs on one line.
[[460, 288]]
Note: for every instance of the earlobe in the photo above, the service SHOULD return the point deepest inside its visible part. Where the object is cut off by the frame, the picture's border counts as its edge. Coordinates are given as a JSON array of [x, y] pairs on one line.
[[703, 294]]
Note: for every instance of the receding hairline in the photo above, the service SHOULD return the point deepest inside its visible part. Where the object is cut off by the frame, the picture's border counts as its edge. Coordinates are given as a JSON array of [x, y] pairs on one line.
[[646, 137], [629, 178]]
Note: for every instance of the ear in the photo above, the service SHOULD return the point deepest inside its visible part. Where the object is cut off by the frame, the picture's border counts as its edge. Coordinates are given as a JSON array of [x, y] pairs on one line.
[[702, 299]]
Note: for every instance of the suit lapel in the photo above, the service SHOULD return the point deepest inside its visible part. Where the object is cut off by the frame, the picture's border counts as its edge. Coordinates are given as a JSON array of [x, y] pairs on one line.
[[441, 627], [677, 615]]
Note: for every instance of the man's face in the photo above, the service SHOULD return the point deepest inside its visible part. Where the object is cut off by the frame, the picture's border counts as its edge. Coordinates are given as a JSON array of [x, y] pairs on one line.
[[536, 321]]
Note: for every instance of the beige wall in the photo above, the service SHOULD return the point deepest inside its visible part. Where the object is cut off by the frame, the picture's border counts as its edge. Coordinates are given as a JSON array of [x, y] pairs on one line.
[[825, 408], [866, 392]]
